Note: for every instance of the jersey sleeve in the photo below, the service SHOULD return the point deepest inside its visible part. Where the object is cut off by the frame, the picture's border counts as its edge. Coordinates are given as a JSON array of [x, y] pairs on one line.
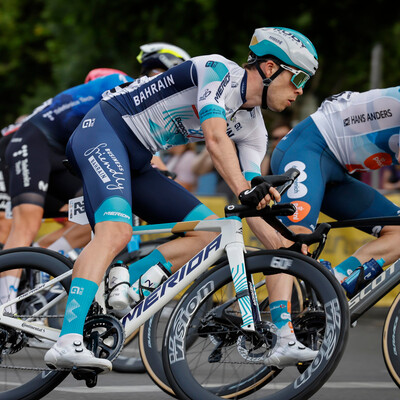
[[252, 149], [213, 77]]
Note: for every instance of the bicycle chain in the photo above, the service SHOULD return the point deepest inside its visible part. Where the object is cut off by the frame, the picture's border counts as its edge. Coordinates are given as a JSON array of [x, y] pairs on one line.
[[34, 368]]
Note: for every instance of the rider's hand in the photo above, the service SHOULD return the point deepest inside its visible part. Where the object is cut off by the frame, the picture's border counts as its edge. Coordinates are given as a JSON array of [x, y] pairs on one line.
[[259, 196]]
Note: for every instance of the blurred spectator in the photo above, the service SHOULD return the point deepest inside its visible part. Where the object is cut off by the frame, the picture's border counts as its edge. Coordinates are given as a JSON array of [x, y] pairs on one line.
[[181, 162], [390, 178], [277, 133]]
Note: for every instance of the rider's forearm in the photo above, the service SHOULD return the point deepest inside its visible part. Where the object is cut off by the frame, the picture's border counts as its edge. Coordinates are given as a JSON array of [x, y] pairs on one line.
[[223, 154], [265, 233]]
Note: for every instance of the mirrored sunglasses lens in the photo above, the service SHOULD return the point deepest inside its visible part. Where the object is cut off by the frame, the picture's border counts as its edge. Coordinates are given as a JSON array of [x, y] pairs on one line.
[[300, 79]]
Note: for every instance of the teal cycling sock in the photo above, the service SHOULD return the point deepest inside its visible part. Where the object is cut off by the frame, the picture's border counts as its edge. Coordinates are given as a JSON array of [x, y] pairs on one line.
[[80, 298], [280, 313], [348, 266], [138, 268]]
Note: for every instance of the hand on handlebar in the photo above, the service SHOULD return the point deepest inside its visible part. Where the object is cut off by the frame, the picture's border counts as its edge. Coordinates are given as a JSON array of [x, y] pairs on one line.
[[259, 196]]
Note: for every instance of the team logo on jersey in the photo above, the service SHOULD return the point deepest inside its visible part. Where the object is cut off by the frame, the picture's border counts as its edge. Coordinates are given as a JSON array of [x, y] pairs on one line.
[[43, 186], [23, 151], [378, 160], [302, 210], [206, 93], [107, 166], [88, 123], [298, 189], [367, 117]]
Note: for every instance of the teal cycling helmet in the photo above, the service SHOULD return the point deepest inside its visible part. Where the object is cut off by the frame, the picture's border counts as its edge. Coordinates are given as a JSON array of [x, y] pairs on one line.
[[286, 47]]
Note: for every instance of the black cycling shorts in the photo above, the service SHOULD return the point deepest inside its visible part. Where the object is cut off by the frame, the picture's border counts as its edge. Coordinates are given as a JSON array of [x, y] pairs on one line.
[[36, 169]]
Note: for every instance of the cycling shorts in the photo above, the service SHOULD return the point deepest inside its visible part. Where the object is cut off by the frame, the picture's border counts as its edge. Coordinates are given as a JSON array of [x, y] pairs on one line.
[[4, 196], [36, 169], [118, 177], [324, 185]]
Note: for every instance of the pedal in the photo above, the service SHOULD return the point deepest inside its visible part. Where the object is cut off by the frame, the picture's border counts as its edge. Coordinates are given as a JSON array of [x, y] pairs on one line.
[[89, 375]]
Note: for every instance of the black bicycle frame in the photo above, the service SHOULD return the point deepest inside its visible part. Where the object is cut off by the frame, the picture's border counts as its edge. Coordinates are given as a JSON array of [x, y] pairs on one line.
[[384, 282]]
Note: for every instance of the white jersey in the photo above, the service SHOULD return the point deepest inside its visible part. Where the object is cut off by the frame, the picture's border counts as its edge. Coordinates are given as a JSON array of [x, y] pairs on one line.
[[362, 129], [168, 109]]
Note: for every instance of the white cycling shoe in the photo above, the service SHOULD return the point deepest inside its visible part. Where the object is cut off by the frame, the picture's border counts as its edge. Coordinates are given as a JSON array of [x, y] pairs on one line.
[[289, 353], [72, 353]]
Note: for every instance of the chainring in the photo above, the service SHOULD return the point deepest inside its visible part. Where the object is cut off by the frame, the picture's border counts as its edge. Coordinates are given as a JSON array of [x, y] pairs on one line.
[[104, 335], [11, 340]]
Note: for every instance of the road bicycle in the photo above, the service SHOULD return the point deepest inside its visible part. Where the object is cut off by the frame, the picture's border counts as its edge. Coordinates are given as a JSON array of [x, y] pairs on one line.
[[224, 332], [375, 291]]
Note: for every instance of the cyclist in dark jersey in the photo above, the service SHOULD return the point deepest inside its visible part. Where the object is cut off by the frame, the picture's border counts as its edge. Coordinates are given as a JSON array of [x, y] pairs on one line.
[[35, 155], [34, 158]]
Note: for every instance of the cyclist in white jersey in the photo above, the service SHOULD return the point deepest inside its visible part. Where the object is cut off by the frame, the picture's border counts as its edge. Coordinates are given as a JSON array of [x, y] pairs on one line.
[[349, 132], [205, 98]]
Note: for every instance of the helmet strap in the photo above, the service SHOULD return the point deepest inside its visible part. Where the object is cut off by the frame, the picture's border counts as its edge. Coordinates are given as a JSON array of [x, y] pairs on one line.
[[266, 82]]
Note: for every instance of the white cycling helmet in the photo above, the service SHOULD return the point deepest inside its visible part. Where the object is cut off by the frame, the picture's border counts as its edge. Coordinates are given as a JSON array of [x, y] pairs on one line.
[[160, 55], [288, 45], [288, 48]]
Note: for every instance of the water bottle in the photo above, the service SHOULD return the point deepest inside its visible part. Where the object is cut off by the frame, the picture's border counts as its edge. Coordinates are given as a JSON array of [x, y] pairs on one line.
[[151, 279], [327, 265], [353, 284], [118, 284]]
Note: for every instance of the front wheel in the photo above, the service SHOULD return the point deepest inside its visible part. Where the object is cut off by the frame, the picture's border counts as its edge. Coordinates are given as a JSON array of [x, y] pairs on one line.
[[25, 375], [391, 341], [223, 360]]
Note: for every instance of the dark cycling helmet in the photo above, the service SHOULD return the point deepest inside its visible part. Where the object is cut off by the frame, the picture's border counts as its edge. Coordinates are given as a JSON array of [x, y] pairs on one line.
[[99, 72], [288, 48], [160, 55]]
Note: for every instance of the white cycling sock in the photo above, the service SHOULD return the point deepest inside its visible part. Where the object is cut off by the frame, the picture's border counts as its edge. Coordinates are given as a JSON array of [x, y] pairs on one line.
[[61, 245]]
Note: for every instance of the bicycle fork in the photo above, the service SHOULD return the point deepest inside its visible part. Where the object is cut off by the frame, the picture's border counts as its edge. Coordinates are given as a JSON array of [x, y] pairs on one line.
[[244, 287]]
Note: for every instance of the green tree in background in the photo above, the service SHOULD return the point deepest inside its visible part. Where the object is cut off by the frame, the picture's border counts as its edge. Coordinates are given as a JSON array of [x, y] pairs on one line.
[[47, 46]]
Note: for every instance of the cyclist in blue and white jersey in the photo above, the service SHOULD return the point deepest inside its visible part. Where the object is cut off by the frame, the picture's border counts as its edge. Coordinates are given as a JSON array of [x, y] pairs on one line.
[[207, 98], [350, 132], [35, 153], [44, 184], [34, 158]]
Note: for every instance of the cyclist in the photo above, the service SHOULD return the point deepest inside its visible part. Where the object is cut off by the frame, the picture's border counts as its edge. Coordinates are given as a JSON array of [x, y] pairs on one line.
[[205, 98], [34, 158], [159, 57], [349, 132], [56, 119]]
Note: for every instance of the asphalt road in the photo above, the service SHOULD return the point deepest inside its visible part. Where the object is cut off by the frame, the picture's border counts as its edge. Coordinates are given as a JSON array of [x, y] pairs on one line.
[[361, 373]]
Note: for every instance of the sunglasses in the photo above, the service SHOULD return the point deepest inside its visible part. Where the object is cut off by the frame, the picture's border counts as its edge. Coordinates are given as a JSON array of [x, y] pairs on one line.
[[299, 77]]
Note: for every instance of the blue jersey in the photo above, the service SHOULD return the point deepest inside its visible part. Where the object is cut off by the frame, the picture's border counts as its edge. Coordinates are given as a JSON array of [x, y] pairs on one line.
[[58, 117]]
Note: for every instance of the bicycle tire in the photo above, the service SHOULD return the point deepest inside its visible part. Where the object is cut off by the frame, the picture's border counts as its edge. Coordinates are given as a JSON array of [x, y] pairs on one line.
[[150, 341], [190, 384], [151, 336], [129, 364], [391, 341], [54, 264]]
